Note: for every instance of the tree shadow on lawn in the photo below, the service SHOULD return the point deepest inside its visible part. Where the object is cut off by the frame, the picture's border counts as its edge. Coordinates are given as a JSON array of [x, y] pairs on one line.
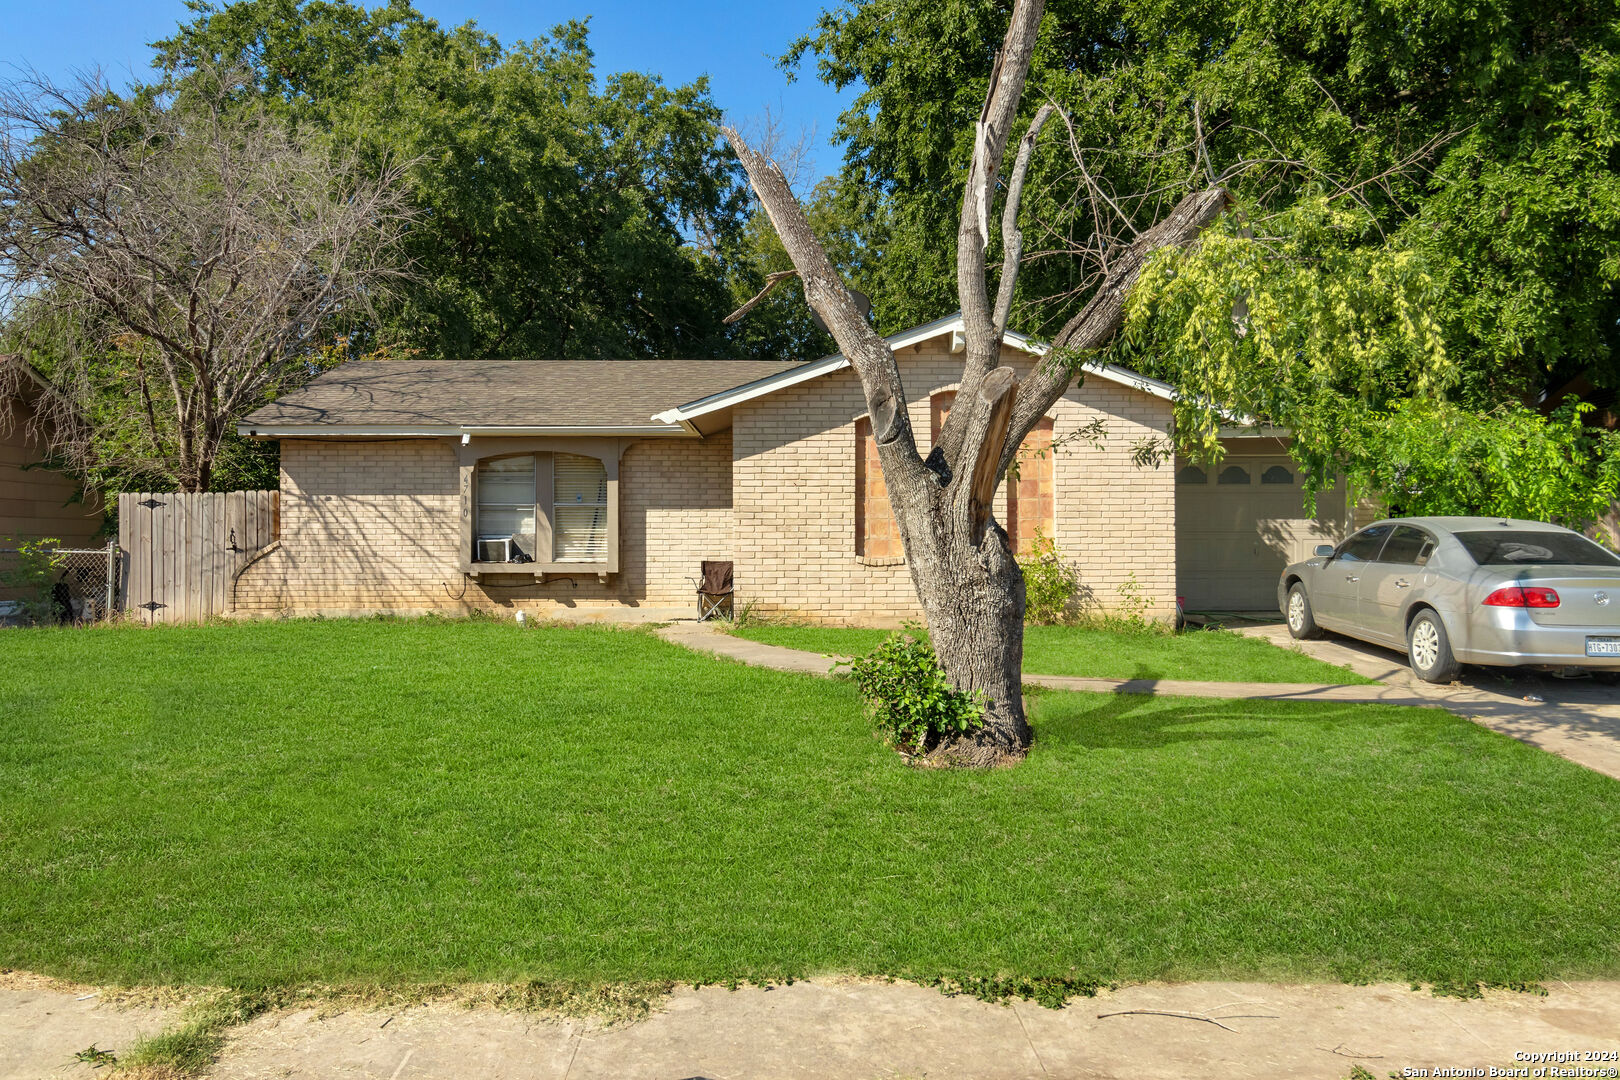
[[1133, 721]]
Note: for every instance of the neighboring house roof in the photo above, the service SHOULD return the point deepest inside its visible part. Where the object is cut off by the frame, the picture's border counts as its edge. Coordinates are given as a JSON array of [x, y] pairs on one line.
[[570, 397], [22, 378], [513, 397]]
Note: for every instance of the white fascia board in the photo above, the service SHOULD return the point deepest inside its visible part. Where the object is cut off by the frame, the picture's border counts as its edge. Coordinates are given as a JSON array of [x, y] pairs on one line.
[[273, 431], [725, 399], [951, 324]]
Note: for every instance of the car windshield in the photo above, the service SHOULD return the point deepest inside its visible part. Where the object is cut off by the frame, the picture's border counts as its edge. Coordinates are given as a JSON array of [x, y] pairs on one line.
[[1518, 548]]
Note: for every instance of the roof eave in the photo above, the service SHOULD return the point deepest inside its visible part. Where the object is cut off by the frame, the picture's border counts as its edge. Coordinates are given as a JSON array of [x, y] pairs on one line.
[[277, 430]]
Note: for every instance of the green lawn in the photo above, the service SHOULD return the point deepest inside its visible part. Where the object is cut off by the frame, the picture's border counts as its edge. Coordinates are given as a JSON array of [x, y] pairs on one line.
[[335, 801], [1106, 654]]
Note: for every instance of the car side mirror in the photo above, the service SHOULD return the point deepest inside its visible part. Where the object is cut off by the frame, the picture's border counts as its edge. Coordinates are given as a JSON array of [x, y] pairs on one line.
[[1324, 550]]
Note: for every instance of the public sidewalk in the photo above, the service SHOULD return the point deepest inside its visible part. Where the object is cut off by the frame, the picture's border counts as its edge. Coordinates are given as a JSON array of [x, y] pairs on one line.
[[861, 1030]]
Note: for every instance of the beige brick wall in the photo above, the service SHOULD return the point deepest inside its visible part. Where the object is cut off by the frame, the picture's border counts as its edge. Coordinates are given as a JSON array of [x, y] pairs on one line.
[[369, 526], [795, 491]]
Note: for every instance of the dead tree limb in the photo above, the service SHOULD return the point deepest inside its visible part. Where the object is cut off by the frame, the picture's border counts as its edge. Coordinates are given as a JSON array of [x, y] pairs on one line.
[[771, 282]]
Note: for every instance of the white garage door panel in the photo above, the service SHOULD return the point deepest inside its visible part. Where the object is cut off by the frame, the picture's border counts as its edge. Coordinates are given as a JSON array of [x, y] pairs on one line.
[[1233, 540]]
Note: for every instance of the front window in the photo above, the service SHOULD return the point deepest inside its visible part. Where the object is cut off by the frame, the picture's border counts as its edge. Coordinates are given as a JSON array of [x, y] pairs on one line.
[[579, 528], [506, 509]]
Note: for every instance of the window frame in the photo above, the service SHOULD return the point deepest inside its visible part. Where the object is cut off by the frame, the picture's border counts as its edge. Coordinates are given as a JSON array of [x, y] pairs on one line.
[[1344, 545], [475, 450], [1425, 549]]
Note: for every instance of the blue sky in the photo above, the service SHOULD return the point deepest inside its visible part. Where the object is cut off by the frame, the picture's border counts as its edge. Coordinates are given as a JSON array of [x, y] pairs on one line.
[[730, 41]]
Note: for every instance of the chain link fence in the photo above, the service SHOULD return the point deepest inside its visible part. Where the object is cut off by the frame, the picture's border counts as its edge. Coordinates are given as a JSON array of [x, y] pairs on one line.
[[42, 583]]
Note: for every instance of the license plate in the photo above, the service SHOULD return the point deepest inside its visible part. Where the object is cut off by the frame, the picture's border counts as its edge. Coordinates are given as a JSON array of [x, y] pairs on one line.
[[1603, 646]]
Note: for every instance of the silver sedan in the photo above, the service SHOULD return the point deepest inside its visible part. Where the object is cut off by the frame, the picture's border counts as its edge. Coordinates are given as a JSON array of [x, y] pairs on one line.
[[1460, 590]]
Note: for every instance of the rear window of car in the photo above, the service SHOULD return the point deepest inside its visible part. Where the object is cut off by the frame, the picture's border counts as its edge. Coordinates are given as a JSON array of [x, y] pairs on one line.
[[1517, 548]]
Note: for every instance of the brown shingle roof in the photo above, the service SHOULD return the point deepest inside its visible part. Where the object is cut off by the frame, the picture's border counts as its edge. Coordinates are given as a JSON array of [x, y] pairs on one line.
[[505, 393]]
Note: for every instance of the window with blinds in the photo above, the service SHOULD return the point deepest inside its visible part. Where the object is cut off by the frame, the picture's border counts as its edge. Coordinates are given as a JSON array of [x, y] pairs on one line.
[[579, 527], [506, 504]]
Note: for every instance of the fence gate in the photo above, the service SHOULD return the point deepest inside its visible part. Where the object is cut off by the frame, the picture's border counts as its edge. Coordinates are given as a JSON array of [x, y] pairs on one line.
[[183, 551]]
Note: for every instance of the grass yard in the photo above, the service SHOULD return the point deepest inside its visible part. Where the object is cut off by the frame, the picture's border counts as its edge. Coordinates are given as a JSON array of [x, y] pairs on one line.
[[403, 801], [1106, 654]]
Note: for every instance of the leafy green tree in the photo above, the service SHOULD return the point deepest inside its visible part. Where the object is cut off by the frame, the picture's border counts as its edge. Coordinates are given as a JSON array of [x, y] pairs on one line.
[[1432, 458], [561, 215], [1482, 139]]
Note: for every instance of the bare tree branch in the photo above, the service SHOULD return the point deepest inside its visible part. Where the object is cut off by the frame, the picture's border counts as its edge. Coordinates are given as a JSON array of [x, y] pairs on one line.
[[868, 353], [771, 282], [1012, 237], [1103, 315], [191, 235]]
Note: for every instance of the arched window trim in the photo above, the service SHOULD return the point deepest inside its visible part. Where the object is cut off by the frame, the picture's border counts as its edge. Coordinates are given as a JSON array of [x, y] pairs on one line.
[[1248, 477], [474, 451]]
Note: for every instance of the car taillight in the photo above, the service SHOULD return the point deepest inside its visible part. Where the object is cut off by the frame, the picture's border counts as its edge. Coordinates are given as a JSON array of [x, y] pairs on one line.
[[1517, 596]]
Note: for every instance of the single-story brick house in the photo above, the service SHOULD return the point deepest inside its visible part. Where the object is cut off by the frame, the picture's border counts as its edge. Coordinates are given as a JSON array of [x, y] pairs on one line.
[[581, 487]]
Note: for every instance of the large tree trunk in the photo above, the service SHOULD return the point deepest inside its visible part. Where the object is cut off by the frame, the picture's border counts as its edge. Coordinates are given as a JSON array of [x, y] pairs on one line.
[[961, 561], [975, 612], [971, 588]]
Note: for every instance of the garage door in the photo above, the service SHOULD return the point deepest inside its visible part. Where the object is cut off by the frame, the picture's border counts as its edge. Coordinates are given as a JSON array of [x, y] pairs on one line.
[[1238, 523]]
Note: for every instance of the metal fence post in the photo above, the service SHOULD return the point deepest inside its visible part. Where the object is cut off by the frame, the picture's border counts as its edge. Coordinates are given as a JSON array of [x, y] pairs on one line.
[[112, 554]]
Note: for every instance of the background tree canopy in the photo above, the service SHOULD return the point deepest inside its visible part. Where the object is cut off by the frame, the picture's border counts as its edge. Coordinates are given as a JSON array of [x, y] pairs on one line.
[[561, 217]]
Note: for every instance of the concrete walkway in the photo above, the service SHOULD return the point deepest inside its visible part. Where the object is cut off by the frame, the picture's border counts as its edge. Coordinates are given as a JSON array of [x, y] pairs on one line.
[[1576, 720], [831, 1029]]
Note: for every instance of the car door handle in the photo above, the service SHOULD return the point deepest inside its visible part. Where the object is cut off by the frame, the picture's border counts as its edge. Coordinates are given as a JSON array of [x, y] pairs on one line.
[[1403, 584], [1351, 577]]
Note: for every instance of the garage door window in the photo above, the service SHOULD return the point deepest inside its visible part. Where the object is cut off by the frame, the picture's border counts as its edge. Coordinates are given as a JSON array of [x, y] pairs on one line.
[[1234, 474], [1277, 475], [1192, 474]]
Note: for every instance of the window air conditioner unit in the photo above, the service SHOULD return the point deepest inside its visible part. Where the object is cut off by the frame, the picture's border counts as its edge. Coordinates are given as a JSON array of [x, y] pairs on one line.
[[495, 550]]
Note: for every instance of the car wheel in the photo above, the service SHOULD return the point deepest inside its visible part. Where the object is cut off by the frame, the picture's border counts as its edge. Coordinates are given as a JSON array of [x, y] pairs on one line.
[[1429, 649], [1301, 622]]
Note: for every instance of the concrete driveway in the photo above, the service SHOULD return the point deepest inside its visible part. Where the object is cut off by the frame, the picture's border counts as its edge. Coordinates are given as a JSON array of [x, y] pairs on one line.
[[1574, 718]]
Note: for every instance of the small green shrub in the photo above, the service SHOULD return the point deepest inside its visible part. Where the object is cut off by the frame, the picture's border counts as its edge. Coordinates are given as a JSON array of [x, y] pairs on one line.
[[1051, 586], [912, 703], [1131, 611]]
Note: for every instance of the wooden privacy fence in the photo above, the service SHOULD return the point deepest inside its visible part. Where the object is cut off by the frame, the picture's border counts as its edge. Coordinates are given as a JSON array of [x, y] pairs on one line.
[[182, 552]]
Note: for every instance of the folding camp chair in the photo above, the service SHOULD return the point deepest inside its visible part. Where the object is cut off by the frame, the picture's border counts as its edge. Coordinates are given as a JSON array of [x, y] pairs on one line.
[[714, 591]]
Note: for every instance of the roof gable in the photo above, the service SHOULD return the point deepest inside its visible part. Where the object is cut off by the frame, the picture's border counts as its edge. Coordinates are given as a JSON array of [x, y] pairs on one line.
[[953, 325]]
